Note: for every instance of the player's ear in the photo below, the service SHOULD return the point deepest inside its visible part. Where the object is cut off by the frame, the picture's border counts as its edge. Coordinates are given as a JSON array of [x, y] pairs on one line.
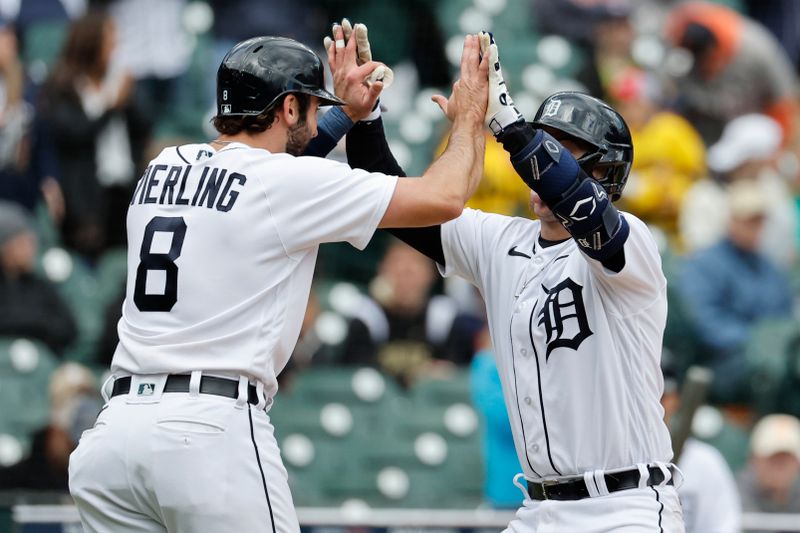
[[291, 110]]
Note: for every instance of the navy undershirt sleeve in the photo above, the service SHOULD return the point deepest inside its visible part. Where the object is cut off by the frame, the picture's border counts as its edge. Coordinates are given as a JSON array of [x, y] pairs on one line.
[[332, 126], [367, 149]]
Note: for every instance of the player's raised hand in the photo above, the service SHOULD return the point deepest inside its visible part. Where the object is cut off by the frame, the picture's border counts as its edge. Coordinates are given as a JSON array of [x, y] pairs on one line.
[[356, 78], [470, 92], [500, 112], [364, 52]]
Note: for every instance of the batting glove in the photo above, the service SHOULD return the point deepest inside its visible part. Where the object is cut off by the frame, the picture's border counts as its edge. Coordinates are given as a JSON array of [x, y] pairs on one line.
[[364, 51], [500, 113]]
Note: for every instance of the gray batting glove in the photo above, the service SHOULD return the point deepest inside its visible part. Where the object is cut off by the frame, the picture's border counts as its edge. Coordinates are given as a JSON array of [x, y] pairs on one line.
[[500, 113], [364, 51]]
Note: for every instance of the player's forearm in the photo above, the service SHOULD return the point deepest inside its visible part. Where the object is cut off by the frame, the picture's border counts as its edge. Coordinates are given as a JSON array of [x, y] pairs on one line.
[[579, 201], [457, 172], [368, 149], [476, 172]]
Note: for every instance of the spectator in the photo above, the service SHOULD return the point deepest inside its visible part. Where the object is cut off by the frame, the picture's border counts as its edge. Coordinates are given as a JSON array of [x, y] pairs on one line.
[[99, 133], [747, 151], [735, 67], [608, 54], [709, 495], [74, 406], [782, 18], [730, 286], [155, 47], [500, 461], [27, 162], [400, 327], [770, 483], [572, 19], [41, 26], [669, 155], [237, 20], [29, 305]]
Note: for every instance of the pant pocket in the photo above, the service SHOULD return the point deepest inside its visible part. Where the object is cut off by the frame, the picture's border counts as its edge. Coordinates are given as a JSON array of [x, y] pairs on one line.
[[190, 466], [189, 425]]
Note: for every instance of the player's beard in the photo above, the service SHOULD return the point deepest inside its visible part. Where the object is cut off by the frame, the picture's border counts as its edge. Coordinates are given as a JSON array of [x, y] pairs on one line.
[[298, 138]]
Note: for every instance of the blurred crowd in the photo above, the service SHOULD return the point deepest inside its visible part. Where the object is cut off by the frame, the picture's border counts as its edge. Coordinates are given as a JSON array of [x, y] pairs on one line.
[[90, 90]]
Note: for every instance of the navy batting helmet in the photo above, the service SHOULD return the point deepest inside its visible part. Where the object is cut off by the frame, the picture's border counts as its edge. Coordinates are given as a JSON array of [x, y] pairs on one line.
[[583, 117], [255, 73]]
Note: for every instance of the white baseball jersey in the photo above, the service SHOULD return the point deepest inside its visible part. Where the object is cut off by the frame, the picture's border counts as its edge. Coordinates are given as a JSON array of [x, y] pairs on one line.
[[709, 494], [221, 253], [577, 346]]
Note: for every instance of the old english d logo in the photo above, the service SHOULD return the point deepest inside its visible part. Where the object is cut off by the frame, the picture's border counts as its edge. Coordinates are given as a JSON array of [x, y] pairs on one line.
[[563, 316]]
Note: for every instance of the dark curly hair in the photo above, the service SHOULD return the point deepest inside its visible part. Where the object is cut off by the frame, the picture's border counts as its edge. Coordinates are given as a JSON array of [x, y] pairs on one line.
[[253, 124]]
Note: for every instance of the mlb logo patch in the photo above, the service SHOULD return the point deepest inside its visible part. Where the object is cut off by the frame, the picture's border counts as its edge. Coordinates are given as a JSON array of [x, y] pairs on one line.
[[146, 389], [226, 108]]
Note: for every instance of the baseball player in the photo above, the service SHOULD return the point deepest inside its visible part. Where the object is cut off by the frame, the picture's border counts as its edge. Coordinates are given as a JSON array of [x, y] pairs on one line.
[[223, 238], [576, 305], [709, 496]]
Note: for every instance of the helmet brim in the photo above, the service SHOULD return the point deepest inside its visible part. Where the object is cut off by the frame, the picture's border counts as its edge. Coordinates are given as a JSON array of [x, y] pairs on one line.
[[326, 98]]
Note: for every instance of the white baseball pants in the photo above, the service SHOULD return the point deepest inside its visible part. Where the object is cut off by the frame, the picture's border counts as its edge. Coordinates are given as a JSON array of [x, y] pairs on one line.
[[644, 510], [180, 463]]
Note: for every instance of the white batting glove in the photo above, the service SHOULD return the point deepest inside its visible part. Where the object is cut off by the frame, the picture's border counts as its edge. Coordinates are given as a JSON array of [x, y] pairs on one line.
[[382, 73], [500, 113]]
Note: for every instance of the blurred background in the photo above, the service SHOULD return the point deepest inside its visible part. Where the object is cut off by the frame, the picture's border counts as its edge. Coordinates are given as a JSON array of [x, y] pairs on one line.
[[392, 401]]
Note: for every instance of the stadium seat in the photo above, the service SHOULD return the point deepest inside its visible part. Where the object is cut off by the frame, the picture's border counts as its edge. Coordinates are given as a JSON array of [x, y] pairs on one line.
[[711, 426], [42, 44], [25, 369], [768, 353], [442, 392], [111, 275]]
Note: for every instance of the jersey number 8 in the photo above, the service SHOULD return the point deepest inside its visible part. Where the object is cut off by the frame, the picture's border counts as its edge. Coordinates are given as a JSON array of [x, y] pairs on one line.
[[149, 261]]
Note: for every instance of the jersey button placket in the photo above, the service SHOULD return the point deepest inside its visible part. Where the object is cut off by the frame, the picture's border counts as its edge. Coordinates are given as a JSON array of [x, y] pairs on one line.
[[528, 400]]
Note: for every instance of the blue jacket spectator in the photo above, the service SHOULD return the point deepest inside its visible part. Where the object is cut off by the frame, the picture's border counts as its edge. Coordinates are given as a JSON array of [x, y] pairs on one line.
[[730, 286], [500, 458]]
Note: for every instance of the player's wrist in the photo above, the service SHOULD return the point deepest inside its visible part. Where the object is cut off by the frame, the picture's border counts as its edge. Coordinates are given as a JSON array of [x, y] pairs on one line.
[[375, 114], [468, 121], [502, 119]]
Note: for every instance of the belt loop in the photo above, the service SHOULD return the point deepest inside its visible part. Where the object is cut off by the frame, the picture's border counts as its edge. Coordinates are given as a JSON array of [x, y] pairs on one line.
[[677, 475], [600, 479], [644, 475], [516, 481], [664, 470], [262, 399], [106, 387], [588, 480], [241, 396], [194, 383]]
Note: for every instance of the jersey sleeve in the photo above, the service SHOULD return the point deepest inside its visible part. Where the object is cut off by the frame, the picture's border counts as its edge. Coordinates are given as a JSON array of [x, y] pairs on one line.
[[468, 242], [641, 279], [321, 201]]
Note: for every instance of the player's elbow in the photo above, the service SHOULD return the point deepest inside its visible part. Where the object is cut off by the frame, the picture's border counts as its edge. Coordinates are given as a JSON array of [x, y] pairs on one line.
[[449, 207], [420, 202]]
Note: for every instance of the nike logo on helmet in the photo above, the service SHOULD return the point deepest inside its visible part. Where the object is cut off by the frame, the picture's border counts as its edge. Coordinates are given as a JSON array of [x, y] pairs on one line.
[[513, 251]]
